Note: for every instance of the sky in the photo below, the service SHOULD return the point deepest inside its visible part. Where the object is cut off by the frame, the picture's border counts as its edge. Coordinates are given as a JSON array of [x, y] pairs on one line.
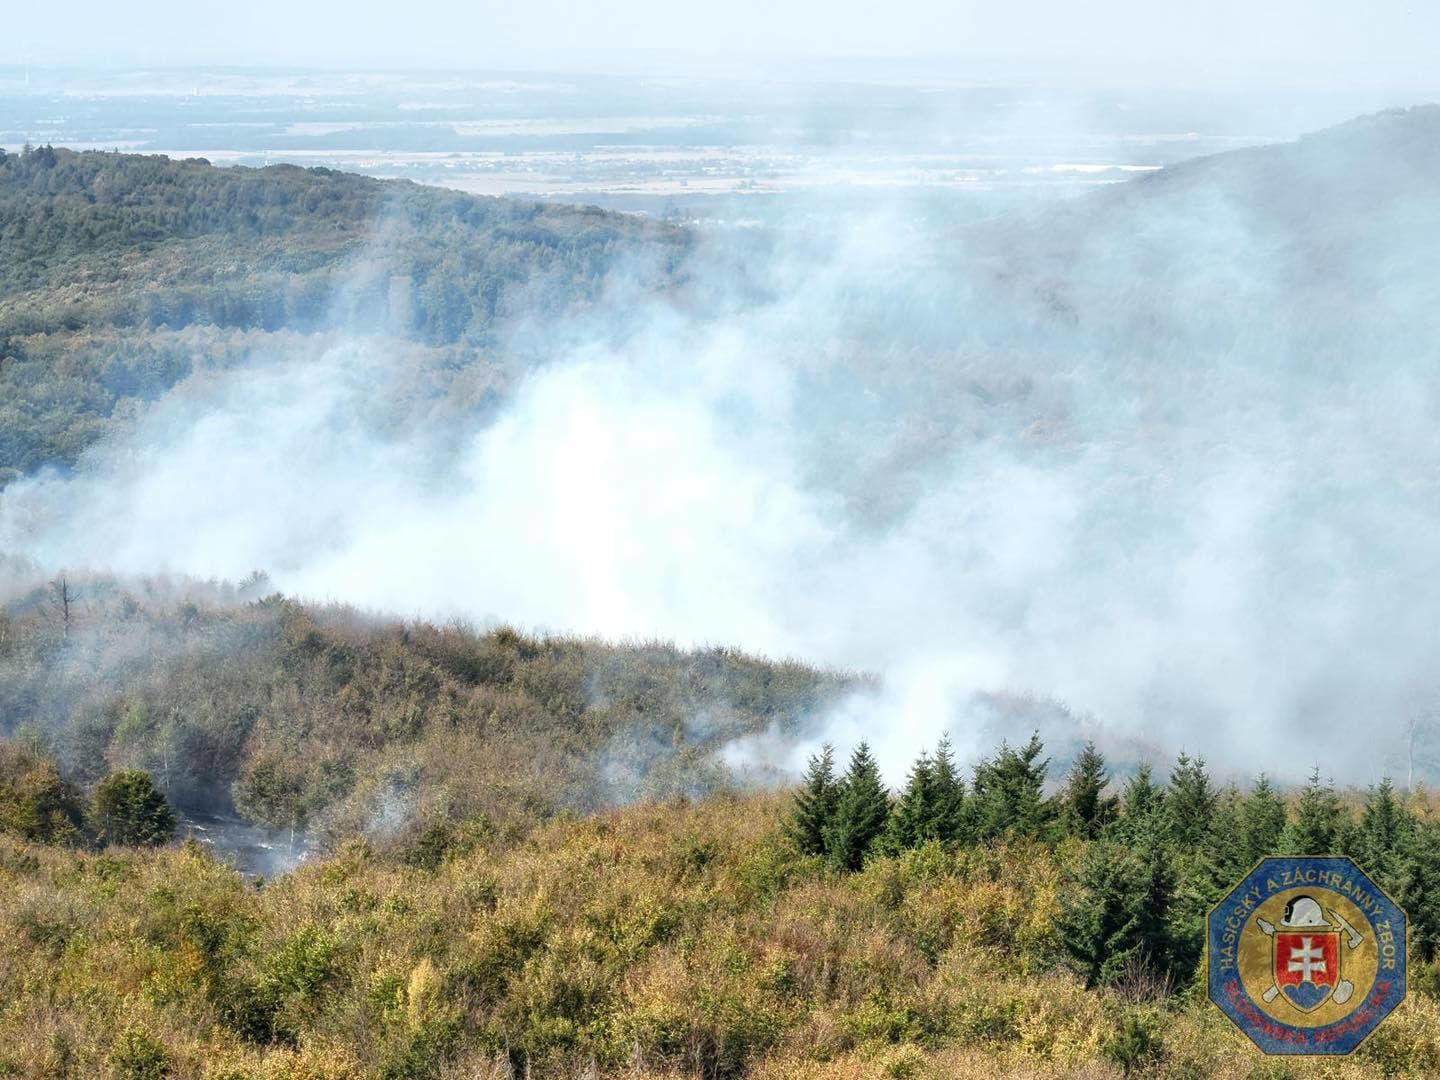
[[1216, 43]]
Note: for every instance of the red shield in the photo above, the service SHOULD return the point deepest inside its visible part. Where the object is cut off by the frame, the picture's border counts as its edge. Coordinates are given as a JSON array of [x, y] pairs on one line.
[[1307, 966]]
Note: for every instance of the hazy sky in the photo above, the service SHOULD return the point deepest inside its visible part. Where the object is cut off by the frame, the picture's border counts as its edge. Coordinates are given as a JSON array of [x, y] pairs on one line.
[[1215, 42]]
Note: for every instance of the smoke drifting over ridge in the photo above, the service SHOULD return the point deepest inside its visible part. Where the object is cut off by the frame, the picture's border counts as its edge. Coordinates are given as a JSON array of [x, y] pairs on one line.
[[1168, 453]]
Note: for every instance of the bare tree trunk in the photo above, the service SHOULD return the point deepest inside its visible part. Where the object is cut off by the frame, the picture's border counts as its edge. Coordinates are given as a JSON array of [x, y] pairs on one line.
[[65, 598]]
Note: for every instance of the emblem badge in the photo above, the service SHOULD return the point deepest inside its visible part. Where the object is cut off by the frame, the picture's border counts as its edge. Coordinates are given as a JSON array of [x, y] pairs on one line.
[[1306, 955]]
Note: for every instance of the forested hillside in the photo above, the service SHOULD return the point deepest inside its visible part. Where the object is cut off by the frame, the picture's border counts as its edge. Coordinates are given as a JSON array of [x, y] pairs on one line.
[[122, 273]]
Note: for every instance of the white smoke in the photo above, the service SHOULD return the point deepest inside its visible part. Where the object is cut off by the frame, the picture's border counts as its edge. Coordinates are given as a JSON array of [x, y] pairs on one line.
[[1235, 555]]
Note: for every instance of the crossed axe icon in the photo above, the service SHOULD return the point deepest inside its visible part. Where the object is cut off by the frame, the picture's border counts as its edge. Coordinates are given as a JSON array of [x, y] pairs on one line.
[[1344, 988]]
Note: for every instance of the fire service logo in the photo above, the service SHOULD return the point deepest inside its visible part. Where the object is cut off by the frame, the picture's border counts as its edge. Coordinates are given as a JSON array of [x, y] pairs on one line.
[[1306, 955]]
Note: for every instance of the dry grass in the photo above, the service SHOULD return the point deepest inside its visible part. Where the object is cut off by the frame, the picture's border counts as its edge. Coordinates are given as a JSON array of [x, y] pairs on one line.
[[678, 940]]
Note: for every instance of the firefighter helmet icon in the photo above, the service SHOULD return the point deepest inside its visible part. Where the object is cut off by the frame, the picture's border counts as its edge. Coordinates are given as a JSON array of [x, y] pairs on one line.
[[1306, 955], [1302, 911]]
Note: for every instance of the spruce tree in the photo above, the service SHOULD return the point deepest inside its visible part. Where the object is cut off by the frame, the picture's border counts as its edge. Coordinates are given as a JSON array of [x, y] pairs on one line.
[[1190, 802], [1167, 932], [1419, 889], [1161, 948], [1262, 822], [814, 803], [1102, 924], [913, 820], [1381, 844], [932, 806], [1142, 806], [1320, 821], [1085, 807], [1143, 797], [1226, 856], [948, 822], [1009, 793], [861, 810]]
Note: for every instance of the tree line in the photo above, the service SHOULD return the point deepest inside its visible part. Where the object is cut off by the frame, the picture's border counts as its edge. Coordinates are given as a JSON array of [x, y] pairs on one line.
[[1151, 857]]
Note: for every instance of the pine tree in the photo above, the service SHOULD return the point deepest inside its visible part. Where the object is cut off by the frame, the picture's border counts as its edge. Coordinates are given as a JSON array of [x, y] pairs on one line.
[[1262, 822], [1190, 802], [861, 810], [1381, 844], [1320, 821], [1115, 917], [1419, 889], [948, 822], [913, 820], [814, 803], [1085, 808], [1009, 793]]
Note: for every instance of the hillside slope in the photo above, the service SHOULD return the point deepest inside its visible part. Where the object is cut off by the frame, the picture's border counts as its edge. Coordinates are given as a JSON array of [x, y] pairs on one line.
[[1279, 247], [122, 273], [324, 721]]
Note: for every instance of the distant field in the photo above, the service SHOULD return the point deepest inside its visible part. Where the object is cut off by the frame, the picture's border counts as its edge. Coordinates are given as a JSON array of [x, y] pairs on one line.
[[672, 145]]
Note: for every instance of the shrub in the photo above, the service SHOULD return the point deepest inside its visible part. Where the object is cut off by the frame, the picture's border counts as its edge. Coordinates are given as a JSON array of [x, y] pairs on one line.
[[35, 803], [129, 810], [137, 1056], [1135, 1044]]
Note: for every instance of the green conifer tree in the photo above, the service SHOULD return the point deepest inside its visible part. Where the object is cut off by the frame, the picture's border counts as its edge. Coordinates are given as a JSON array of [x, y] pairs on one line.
[[861, 810], [1009, 793], [1142, 804], [1164, 948], [1190, 803], [1142, 797], [1261, 822], [1381, 843], [814, 803], [949, 816], [1225, 856], [1085, 808], [913, 820], [130, 810], [1102, 923], [1419, 890], [1320, 822]]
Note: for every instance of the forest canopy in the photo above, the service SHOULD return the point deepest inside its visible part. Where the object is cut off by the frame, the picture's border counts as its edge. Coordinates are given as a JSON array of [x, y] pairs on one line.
[[122, 273]]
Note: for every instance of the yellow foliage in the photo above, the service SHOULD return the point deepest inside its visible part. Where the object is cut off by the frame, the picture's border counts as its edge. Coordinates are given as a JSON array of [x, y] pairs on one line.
[[677, 940], [422, 993]]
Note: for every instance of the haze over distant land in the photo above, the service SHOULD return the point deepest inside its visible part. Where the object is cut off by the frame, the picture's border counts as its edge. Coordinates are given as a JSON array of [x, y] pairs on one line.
[[1227, 43]]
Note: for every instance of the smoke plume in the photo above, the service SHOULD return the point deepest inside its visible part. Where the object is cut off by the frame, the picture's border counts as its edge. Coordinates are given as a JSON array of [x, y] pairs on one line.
[[1167, 454]]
